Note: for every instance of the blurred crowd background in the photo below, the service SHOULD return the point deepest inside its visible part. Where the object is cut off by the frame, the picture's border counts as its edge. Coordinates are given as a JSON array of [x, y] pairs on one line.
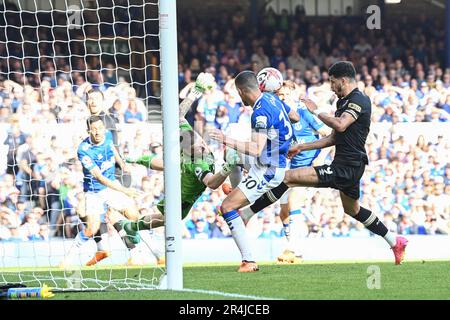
[[401, 69]]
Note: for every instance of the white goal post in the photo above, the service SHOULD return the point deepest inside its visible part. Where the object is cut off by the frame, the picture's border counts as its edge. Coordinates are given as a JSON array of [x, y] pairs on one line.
[[172, 177], [128, 51]]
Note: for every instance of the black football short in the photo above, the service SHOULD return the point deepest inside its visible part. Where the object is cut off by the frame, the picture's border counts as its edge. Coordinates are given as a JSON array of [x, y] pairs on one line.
[[340, 177]]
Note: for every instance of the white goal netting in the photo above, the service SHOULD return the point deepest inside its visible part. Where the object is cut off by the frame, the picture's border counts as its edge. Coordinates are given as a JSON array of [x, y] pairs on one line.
[[52, 53]]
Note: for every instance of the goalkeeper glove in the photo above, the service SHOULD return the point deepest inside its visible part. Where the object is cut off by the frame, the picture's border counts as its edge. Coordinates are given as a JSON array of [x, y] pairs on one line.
[[231, 161], [203, 83]]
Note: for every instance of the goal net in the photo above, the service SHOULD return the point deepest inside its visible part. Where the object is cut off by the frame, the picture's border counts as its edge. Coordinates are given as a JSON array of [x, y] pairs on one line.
[[52, 54]]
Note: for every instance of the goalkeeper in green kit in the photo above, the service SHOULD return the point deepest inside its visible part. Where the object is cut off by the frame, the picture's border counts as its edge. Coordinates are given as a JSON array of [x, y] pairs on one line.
[[197, 167]]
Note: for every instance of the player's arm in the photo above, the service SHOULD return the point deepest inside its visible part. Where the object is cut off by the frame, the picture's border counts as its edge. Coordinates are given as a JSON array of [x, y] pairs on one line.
[[149, 161], [252, 148], [323, 131], [317, 125], [88, 163], [185, 91], [185, 105], [339, 124], [326, 142], [214, 181], [97, 174], [260, 123]]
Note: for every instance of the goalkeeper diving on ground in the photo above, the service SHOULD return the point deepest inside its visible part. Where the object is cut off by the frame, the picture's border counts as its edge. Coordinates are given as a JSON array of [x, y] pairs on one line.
[[197, 168]]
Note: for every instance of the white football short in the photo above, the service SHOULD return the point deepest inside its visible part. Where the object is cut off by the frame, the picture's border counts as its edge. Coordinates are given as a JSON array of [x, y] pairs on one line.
[[98, 202], [261, 179]]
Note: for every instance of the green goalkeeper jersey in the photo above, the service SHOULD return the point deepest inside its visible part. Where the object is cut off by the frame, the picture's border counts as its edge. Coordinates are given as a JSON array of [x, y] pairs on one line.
[[193, 171]]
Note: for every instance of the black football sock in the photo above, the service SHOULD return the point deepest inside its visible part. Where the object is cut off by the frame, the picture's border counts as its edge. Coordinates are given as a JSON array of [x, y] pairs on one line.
[[269, 197], [97, 237], [371, 222]]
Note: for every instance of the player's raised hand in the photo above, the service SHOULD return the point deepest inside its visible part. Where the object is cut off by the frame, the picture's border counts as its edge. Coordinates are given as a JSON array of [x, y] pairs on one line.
[[294, 150], [204, 82], [216, 135], [310, 105]]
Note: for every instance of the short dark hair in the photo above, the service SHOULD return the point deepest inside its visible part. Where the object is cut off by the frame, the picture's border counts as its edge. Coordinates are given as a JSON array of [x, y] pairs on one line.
[[342, 69], [246, 80], [93, 119]]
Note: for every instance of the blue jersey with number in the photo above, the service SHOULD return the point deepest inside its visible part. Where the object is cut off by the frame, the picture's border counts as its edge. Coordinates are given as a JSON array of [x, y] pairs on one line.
[[305, 131], [270, 115], [101, 156]]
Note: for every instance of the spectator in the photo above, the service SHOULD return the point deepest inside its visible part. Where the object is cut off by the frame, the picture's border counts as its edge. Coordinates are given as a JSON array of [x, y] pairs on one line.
[[31, 229], [408, 182], [132, 115], [260, 58], [14, 139]]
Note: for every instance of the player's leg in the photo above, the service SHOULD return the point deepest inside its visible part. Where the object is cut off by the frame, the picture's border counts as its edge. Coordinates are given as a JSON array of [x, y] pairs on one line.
[[300, 177], [89, 210], [117, 220], [111, 201], [229, 209], [292, 211], [131, 228], [155, 242], [131, 213], [292, 253], [121, 209], [129, 232], [372, 223], [284, 216], [260, 179], [284, 213], [101, 239]]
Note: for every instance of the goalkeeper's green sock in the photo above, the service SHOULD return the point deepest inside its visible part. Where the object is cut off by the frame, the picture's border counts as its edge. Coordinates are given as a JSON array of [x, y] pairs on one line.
[[131, 234], [142, 224]]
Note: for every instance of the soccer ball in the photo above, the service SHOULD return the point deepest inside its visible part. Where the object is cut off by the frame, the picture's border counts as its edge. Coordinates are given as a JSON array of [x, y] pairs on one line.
[[269, 79]]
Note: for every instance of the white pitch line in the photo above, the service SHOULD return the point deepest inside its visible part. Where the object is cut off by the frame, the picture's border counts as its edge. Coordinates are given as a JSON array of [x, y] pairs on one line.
[[153, 287], [227, 294]]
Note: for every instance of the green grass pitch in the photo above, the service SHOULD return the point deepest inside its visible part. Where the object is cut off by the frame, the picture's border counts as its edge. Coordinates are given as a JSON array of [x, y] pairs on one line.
[[311, 281]]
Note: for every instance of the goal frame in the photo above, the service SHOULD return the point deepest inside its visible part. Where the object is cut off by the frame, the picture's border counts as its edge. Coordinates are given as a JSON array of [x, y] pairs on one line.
[[171, 143]]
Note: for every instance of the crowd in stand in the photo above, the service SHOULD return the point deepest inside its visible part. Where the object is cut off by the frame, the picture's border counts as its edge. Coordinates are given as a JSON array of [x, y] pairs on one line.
[[407, 184]]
